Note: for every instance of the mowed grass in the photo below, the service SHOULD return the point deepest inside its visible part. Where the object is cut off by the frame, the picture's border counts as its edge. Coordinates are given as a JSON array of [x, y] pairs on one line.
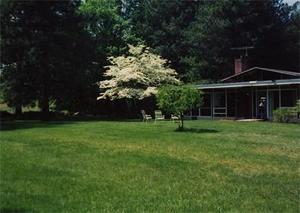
[[111, 166]]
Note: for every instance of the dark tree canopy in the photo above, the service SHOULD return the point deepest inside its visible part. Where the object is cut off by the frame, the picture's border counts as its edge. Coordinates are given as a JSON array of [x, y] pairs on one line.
[[197, 36], [55, 51], [46, 54]]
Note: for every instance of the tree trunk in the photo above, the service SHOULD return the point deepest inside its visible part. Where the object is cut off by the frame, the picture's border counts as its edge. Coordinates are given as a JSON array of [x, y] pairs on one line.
[[128, 106], [19, 87], [181, 122], [44, 104], [18, 110], [134, 108], [46, 83]]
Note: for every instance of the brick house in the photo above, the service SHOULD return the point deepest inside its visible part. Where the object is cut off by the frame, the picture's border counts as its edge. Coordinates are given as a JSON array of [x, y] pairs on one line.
[[249, 93]]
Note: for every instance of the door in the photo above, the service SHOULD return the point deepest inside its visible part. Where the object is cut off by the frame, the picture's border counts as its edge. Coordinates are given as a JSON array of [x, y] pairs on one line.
[[244, 104]]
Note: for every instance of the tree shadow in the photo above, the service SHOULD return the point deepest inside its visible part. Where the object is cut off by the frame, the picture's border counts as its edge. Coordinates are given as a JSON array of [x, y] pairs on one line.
[[15, 125], [9, 210], [195, 130], [27, 124]]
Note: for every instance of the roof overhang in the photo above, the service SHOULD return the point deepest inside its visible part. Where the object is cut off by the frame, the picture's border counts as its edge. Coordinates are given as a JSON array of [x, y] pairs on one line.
[[249, 84], [284, 72]]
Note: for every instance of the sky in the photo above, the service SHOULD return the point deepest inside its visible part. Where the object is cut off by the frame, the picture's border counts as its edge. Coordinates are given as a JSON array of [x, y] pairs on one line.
[[290, 2]]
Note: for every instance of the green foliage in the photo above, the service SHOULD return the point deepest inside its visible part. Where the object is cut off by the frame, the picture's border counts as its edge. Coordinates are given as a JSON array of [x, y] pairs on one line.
[[283, 115], [178, 99], [221, 25], [109, 31], [46, 55], [15, 87], [197, 36], [298, 106], [161, 24]]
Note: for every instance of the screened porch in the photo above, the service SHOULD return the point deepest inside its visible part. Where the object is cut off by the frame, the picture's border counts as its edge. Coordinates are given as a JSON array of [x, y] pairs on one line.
[[243, 102]]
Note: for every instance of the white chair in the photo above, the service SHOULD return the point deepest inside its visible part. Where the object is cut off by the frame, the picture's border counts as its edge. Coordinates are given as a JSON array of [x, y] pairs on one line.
[[145, 116], [159, 116], [174, 118]]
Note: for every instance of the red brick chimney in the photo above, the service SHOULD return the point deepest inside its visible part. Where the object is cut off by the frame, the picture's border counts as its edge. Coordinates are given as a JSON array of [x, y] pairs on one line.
[[240, 64], [237, 65]]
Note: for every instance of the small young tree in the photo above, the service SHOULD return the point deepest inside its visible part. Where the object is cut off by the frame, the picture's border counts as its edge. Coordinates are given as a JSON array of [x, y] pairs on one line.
[[178, 99], [136, 76]]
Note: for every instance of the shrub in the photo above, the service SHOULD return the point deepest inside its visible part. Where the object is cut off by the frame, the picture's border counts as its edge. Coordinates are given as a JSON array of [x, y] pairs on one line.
[[298, 106], [283, 115]]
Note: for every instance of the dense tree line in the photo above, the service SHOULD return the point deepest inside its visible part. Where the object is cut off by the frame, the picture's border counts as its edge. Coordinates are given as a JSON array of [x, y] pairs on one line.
[[46, 55], [56, 51], [197, 36]]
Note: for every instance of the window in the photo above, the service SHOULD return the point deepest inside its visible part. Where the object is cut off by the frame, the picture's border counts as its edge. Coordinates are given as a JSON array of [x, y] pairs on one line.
[[205, 109], [219, 99], [288, 98]]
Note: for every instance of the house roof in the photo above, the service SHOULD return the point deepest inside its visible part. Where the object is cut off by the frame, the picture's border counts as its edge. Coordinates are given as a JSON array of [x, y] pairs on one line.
[[250, 84], [285, 72]]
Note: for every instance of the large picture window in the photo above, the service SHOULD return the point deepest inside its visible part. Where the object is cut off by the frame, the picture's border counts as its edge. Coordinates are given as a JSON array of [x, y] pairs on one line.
[[288, 98], [219, 99], [219, 106], [205, 109]]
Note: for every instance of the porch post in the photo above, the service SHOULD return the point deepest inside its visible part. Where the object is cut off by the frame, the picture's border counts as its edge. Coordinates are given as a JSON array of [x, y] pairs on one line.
[[226, 101], [213, 104], [267, 102], [235, 103], [279, 94], [256, 113], [199, 113], [252, 102]]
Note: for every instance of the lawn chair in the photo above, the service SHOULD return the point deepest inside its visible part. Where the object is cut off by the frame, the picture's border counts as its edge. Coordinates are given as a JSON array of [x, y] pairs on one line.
[[145, 116], [159, 116], [174, 118]]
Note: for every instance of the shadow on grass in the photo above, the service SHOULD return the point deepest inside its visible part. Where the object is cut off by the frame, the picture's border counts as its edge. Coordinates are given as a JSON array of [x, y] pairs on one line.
[[27, 124], [8, 210], [195, 130], [15, 125]]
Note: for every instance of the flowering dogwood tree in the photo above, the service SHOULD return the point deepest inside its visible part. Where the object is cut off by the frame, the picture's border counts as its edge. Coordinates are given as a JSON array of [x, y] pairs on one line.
[[136, 76]]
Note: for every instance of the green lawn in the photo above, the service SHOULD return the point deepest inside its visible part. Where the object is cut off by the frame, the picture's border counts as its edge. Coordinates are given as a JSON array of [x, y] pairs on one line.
[[134, 167]]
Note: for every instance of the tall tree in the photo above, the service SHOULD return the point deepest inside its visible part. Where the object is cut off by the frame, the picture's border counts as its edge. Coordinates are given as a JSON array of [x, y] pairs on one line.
[[15, 44], [107, 27], [161, 24], [44, 42], [197, 36], [110, 32], [219, 26]]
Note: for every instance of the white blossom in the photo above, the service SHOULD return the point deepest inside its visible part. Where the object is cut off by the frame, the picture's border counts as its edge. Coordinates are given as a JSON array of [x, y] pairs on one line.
[[136, 76]]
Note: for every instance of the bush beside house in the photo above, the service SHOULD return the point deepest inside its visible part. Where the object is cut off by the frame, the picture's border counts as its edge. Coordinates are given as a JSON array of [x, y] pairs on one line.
[[286, 115]]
